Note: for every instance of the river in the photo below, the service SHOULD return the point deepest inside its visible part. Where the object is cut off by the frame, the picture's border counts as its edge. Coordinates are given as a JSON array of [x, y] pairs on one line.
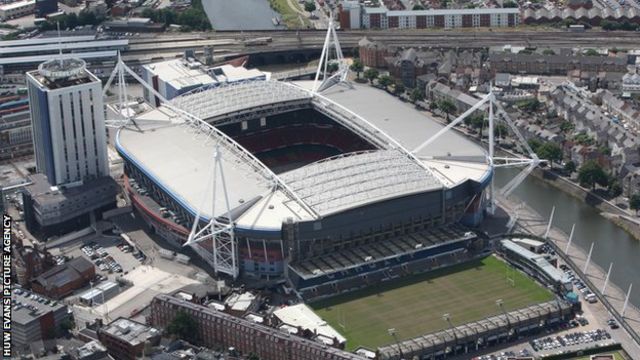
[[241, 15], [612, 244]]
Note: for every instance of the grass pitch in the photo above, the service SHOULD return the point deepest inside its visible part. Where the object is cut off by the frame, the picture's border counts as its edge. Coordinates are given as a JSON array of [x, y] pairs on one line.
[[415, 305]]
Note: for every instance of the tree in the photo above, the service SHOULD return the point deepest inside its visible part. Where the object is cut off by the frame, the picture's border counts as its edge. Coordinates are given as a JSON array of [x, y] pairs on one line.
[[570, 167], [309, 6], [548, 52], [253, 356], [183, 326], [567, 126], [591, 52], [371, 74], [385, 81], [399, 88], [534, 144], [530, 106], [477, 121], [332, 67], [418, 7], [615, 189], [416, 95], [500, 130], [583, 139], [592, 174], [447, 107], [634, 202], [357, 67], [550, 151], [510, 4]]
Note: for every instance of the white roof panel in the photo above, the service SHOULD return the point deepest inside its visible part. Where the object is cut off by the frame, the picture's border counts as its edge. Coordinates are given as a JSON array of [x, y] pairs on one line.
[[49, 40]]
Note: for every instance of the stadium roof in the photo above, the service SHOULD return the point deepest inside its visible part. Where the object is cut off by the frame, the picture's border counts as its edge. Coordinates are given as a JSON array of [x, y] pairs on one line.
[[353, 179], [180, 158], [404, 123], [232, 97]]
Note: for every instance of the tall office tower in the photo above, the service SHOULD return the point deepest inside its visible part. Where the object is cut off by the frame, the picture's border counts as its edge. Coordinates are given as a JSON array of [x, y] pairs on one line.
[[67, 111]]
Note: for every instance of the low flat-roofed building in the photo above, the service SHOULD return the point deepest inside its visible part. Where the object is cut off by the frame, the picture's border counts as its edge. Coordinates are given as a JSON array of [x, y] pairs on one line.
[[16, 9], [62, 280], [100, 293], [536, 265], [35, 318], [93, 350], [125, 339], [240, 304], [301, 316], [55, 210], [529, 244], [178, 76]]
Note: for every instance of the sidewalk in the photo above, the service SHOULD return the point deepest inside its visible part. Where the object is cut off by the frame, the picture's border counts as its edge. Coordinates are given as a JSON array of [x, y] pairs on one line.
[[531, 222]]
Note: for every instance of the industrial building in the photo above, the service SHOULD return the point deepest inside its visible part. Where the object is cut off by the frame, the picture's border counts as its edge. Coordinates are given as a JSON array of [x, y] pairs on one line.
[[16, 9], [15, 132], [20, 56], [100, 293]]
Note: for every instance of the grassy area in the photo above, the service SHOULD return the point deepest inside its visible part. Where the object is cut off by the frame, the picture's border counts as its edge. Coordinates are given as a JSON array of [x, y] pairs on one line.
[[290, 17], [415, 305]]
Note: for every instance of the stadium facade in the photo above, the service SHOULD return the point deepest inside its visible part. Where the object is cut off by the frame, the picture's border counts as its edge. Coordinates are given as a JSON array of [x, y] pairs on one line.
[[321, 186]]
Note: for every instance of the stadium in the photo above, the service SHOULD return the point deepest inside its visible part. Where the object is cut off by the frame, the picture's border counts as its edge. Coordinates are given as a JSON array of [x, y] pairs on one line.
[[319, 186]]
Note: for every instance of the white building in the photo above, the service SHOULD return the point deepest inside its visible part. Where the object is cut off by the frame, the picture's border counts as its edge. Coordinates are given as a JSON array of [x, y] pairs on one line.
[[175, 77], [17, 9], [68, 122], [383, 18]]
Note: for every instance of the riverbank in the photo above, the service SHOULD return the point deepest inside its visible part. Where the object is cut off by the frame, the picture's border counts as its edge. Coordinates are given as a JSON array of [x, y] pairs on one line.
[[611, 302], [607, 210]]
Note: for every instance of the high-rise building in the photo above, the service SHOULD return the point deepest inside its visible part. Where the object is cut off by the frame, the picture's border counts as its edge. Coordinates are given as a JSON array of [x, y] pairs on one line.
[[68, 122]]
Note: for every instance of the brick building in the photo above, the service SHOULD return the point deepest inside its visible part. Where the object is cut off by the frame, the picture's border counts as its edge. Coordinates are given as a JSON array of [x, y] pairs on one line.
[[29, 263], [126, 339], [62, 280], [372, 53], [218, 329]]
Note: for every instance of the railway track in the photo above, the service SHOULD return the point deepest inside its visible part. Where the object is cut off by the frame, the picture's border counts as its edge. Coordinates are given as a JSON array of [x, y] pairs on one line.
[[287, 40]]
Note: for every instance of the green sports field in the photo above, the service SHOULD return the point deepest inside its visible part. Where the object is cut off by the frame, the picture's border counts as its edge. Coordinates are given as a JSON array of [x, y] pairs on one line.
[[415, 305]]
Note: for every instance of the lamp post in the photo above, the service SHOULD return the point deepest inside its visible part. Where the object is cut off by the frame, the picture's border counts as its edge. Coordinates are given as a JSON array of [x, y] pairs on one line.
[[447, 317], [394, 333]]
